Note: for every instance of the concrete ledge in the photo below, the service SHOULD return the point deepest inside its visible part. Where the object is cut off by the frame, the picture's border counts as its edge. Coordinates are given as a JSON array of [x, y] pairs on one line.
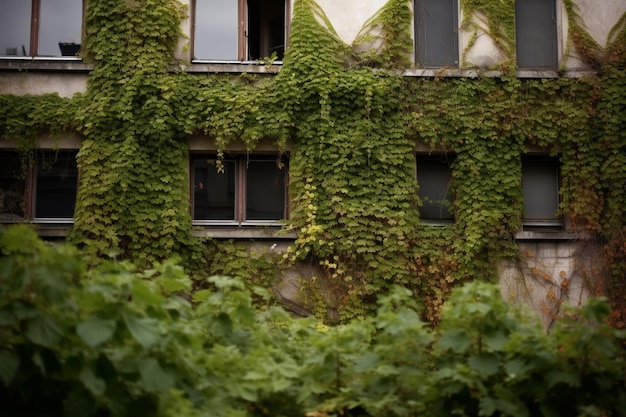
[[552, 235], [49, 64], [269, 233]]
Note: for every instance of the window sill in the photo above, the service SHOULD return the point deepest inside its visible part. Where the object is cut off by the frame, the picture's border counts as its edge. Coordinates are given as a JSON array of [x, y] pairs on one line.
[[553, 234], [236, 67], [23, 63], [275, 232]]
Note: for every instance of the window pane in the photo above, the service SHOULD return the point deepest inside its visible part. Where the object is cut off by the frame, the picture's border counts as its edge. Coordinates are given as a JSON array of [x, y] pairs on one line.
[[265, 190], [213, 191], [57, 178], [436, 33], [12, 186], [540, 180], [216, 30], [535, 32], [15, 27], [60, 22], [266, 28], [433, 178]]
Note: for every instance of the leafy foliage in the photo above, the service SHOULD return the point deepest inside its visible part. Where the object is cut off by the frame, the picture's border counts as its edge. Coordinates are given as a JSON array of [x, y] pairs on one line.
[[352, 130], [115, 341]]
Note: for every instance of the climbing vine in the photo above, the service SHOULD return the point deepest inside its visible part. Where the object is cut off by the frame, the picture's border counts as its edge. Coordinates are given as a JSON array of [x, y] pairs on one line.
[[351, 130]]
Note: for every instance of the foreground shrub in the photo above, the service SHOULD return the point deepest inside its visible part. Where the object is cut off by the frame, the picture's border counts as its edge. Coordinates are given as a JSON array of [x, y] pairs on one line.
[[114, 341]]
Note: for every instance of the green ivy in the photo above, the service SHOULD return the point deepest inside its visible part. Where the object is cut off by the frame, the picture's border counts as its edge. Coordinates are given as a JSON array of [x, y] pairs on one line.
[[352, 131]]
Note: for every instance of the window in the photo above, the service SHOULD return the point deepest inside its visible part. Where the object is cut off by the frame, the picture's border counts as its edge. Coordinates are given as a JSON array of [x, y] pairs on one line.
[[436, 33], [44, 191], [540, 182], [239, 189], [46, 28], [433, 179], [535, 34], [240, 30]]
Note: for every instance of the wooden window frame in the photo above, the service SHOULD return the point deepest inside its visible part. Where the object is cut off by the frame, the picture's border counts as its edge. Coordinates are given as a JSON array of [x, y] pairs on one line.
[[31, 186], [240, 203], [557, 219], [449, 159], [242, 25]]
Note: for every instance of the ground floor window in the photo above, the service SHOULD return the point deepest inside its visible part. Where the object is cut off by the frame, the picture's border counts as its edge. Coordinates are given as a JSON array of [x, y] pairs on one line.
[[434, 176], [540, 181], [42, 188], [239, 188]]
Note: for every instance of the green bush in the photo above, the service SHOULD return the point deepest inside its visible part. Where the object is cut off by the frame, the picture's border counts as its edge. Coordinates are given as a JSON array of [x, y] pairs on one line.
[[113, 341]]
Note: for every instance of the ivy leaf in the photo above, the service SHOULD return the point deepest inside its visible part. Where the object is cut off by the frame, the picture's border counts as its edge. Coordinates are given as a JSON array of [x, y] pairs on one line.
[[94, 384], [9, 363], [44, 330], [486, 363], [95, 331], [153, 377], [455, 340], [145, 330]]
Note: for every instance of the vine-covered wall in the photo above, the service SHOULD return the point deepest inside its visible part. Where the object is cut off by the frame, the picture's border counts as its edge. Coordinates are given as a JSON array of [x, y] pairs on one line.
[[352, 123]]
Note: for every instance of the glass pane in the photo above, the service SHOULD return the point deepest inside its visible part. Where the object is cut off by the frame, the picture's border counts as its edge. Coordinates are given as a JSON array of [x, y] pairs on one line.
[[265, 190], [15, 27], [213, 191], [60, 23], [12, 186], [57, 178], [216, 30], [433, 178], [535, 32], [540, 181], [436, 33]]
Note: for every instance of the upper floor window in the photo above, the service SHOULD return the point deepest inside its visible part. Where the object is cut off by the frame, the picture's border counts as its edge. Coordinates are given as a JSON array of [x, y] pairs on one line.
[[238, 189], [240, 30], [43, 190], [45, 28], [535, 34], [540, 182], [434, 177], [436, 33]]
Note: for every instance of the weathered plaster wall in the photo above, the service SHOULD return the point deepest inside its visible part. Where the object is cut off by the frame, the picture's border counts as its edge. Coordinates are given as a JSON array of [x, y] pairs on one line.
[[22, 83]]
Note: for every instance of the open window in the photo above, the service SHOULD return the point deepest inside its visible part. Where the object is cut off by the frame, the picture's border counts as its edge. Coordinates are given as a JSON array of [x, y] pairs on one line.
[[42, 28], [535, 34], [434, 177], [42, 190], [540, 182], [436, 33], [240, 30], [238, 189]]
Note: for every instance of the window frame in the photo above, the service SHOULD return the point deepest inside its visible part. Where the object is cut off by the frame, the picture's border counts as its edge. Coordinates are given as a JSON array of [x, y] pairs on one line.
[[35, 28], [448, 158], [553, 41], [557, 219], [240, 194], [31, 186], [242, 28], [422, 59]]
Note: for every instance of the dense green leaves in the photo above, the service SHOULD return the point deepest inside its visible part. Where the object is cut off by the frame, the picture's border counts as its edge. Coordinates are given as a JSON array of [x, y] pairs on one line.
[[221, 357]]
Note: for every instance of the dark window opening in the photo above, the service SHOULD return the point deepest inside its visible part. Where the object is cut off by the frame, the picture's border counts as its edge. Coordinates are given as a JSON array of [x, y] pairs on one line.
[[436, 33], [266, 28], [56, 185], [43, 189], [434, 177], [239, 188], [12, 187], [540, 182], [535, 34]]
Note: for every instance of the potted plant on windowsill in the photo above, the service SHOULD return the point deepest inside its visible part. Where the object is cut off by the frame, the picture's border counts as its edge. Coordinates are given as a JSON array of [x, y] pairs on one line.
[[69, 48]]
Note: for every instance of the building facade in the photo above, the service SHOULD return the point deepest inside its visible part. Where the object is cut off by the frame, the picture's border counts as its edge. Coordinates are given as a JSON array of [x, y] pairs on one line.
[[351, 145]]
